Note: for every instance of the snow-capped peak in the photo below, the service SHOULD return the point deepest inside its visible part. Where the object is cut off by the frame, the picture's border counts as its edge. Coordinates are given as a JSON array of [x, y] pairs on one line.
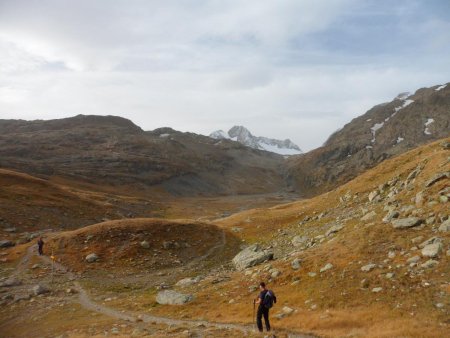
[[245, 137]]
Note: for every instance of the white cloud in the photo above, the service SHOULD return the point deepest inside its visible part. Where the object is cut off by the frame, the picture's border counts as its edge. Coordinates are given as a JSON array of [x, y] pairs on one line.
[[202, 65]]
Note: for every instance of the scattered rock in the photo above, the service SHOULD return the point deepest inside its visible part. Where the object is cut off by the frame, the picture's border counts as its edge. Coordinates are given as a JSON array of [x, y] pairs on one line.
[[335, 228], [404, 223], [378, 289], [369, 216], [373, 195], [187, 281], [368, 267], [91, 258], [419, 199], [145, 245], [445, 145], [364, 283], [40, 289], [274, 273], [429, 241], [11, 282], [327, 267], [445, 227], [299, 241], [287, 310], [170, 297], [413, 259], [4, 243], [431, 263], [432, 250], [312, 274], [251, 256], [436, 178], [295, 264], [391, 254], [390, 216], [390, 275]]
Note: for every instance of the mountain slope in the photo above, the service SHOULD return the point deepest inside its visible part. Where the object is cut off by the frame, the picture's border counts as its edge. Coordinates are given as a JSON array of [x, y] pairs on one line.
[[114, 152], [385, 130], [245, 137]]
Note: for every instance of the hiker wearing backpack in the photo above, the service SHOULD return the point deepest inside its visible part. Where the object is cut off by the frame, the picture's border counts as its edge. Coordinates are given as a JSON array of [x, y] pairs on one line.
[[265, 301]]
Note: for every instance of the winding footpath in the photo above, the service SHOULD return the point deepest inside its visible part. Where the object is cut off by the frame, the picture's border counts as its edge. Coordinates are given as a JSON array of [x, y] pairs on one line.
[[88, 303]]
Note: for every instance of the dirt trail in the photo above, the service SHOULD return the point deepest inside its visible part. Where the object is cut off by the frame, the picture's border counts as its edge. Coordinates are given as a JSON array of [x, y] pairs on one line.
[[88, 303]]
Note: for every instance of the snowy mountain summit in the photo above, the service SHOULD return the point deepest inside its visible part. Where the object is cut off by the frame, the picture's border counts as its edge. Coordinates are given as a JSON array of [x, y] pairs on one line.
[[243, 135]]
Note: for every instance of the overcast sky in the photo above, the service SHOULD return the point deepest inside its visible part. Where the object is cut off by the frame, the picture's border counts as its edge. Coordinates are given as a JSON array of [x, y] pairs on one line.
[[296, 69]]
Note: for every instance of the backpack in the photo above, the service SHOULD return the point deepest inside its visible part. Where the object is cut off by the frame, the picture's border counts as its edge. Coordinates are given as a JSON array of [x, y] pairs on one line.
[[269, 299]]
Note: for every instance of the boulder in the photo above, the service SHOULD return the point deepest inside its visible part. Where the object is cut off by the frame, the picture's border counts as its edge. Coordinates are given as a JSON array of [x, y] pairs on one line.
[[431, 240], [327, 267], [298, 241], [335, 228], [91, 258], [251, 256], [431, 263], [187, 281], [11, 282], [413, 259], [369, 216], [368, 267], [445, 227], [295, 264], [5, 243], [432, 250], [145, 245], [437, 178], [390, 216], [40, 289], [373, 195], [404, 223], [170, 297]]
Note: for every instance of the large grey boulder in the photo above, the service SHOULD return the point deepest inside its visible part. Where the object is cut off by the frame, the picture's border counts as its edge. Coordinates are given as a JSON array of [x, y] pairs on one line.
[[170, 297], [91, 258], [251, 256], [404, 223]]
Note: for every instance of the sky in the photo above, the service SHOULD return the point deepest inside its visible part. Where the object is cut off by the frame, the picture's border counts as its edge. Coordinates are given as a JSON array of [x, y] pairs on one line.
[[297, 69]]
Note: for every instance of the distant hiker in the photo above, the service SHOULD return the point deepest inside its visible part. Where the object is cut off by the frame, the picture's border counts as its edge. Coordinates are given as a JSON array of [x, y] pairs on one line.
[[266, 299], [40, 246]]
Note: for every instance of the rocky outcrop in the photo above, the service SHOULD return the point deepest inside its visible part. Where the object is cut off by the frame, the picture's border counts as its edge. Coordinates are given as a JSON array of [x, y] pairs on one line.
[[251, 256], [384, 131]]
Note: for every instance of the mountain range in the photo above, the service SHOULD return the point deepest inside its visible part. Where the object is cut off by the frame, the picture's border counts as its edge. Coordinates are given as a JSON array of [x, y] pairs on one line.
[[113, 151], [245, 137]]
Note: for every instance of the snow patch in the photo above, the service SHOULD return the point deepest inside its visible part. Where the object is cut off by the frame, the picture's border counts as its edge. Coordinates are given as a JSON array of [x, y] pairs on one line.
[[400, 139], [376, 126], [164, 135], [427, 131], [440, 87]]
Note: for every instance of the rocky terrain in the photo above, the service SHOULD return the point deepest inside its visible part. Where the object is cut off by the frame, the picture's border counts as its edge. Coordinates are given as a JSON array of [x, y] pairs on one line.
[[384, 131], [244, 136], [368, 259], [112, 151]]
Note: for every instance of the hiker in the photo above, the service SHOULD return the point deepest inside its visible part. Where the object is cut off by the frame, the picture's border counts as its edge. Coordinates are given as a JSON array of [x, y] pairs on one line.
[[265, 301], [40, 246]]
